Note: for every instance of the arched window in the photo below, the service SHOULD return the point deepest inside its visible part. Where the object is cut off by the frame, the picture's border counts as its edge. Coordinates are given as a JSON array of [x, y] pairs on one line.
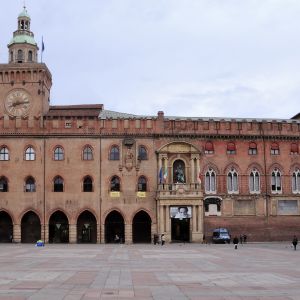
[[20, 56], [29, 154], [30, 185], [11, 56], [231, 149], [114, 153], [115, 184], [142, 184], [59, 153], [296, 181], [274, 149], [3, 184], [30, 55], [254, 182], [209, 148], [276, 181], [294, 148], [87, 153], [252, 148], [87, 184], [58, 184], [210, 181], [142, 153], [232, 181], [4, 153]]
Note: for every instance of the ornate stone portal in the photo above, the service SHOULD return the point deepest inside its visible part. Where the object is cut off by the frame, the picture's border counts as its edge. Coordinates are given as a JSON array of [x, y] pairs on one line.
[[179, 188]]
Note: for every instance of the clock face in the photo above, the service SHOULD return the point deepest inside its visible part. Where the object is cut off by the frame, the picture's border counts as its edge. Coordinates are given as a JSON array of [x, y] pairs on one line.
[[17, 103]]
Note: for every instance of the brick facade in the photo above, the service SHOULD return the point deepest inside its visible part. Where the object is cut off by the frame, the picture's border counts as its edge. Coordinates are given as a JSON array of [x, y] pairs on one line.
[[200, 145]]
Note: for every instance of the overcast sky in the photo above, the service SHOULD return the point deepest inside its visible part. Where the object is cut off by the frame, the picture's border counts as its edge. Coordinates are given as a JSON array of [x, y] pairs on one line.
[[201, 58]]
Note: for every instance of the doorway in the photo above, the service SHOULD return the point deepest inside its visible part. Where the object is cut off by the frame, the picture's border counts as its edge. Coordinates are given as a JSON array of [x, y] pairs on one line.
[[86, 228], [141, 228], [6, 228], [30, 228], [180, 230], [58, 228], [114, 226]]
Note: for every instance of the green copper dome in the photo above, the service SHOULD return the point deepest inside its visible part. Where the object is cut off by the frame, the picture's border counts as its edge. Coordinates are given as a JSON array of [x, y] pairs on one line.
[[24, 13], [23, 39]]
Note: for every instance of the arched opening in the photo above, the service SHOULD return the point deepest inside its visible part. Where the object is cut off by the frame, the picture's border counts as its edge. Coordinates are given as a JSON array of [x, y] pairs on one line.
[[86, 228], [179, 171], [58, 228], [30, 228], [114, 226], [141, 228], [6, 228]]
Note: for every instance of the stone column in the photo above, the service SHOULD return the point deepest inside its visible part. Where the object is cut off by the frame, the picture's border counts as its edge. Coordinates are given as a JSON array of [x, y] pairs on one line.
[[98, 233], [102, 233], [72, 233], [128, 233], [17, 233], [168, 223], [161, 221], [192, 163], [45, 233]]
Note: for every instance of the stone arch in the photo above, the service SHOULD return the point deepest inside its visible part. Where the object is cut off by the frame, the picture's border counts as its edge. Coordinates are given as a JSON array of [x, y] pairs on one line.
[[114, 227], [58, 227], [86, 227], [275, 166], [255, 166], [6, 227], [171, 147], [141, 227], [30, 227]]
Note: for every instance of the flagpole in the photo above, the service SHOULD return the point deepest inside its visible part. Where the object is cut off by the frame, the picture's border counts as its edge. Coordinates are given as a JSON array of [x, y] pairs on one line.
[[42, 50]]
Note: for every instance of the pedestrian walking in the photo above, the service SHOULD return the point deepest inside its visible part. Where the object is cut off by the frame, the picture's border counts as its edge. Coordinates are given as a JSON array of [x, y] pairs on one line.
[[295, 242], [235, 242], [245, 238], [155, 239], [162, 239], [241, 239]]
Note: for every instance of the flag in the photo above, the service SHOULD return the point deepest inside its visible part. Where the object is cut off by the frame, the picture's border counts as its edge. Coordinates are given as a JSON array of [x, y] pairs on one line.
[[43, 45], [160, 175], [199, 177], [165, 174]]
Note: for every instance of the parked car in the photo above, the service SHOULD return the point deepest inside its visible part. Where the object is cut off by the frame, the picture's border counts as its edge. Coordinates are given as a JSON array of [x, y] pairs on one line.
[[221, 235]]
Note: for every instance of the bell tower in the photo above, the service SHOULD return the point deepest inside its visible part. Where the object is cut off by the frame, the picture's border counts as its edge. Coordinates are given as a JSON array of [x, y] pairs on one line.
[[23, 48], [24, 82]]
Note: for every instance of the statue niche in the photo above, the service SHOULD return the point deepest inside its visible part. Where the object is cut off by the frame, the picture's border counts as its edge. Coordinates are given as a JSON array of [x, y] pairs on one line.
[[179, 172]]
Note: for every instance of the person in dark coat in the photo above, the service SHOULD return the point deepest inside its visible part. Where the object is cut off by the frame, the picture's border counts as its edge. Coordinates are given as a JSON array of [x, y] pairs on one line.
[[235, 242], [295, 242]]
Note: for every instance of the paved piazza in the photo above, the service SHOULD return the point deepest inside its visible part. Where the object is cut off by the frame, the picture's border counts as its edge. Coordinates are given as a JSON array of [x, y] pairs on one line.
[[177, 271]]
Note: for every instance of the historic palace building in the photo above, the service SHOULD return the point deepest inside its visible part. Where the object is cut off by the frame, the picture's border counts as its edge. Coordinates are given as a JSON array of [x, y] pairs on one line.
[[84, 174]]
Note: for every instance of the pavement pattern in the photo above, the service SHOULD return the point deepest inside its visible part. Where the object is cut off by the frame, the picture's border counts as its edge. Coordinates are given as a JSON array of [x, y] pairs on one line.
[[174, 271]]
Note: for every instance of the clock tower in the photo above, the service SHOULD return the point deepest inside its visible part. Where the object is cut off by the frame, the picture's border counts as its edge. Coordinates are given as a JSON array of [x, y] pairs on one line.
[[24, 82]]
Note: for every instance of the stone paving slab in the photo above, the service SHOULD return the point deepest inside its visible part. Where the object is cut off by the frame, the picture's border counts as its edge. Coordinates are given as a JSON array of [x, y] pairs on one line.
[[174, 271]]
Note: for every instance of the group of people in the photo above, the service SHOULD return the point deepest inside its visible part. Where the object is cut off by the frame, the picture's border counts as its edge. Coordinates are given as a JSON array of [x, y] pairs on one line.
[[243, 239], [159, 239]]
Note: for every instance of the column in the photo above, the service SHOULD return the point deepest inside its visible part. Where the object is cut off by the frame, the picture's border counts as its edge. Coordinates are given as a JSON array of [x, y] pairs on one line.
[[17, 233], [128, 233], [192, 164], [168, 223], [161, 221], [72, 233]]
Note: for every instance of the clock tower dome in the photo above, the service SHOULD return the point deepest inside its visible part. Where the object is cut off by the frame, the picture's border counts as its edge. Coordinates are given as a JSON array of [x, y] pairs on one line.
[[24, 82]]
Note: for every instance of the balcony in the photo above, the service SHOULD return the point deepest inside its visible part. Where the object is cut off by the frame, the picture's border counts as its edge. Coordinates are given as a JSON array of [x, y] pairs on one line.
[[179, 190]]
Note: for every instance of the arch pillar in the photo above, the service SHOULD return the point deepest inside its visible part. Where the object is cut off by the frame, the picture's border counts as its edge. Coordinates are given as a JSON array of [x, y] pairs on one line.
[[72, 233], [128, 233], [17, 233]]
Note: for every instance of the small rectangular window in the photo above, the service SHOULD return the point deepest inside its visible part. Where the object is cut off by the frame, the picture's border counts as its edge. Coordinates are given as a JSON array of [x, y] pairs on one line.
[[68, 124]]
